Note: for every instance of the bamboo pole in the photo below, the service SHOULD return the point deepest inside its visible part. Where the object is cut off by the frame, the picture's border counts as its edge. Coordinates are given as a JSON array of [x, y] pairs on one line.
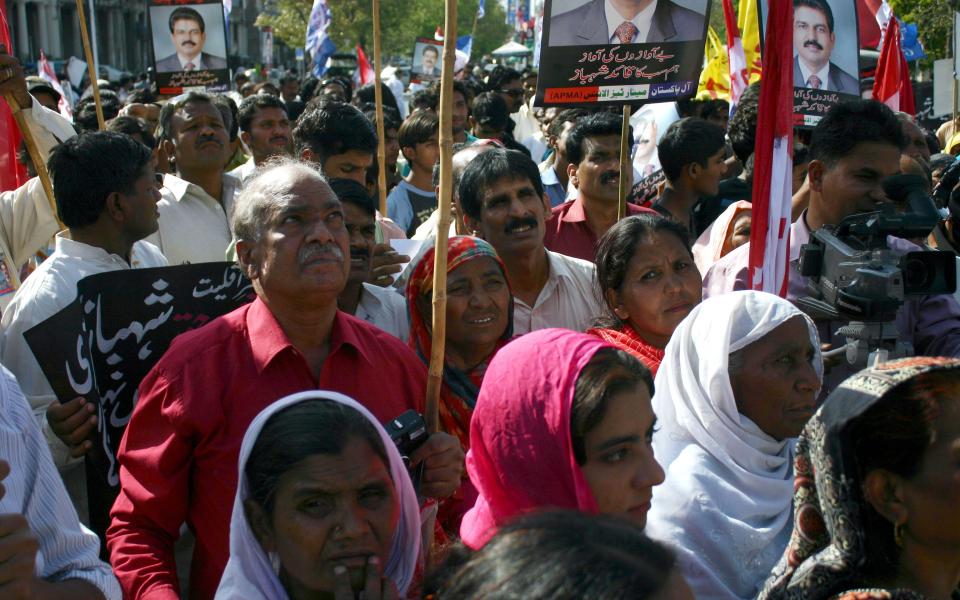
[[435, 375], [39, 161], [624, 162], [378, 95], [91, 69]]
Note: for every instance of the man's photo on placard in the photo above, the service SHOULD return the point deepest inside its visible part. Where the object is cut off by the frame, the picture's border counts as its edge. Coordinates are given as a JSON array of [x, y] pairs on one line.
[[188, 38], [603, 22], [825, 46], [427, 59]]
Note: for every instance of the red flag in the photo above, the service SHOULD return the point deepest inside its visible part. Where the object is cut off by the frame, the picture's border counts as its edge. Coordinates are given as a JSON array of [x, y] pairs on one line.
[[45, 70], [438, 34], [739, 77], [12, 173], [364, 73], [891, 84], [773, 165]]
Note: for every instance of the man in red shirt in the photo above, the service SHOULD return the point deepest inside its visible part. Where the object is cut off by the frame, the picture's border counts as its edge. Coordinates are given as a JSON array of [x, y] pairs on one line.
[[179, 454], [593, 151]]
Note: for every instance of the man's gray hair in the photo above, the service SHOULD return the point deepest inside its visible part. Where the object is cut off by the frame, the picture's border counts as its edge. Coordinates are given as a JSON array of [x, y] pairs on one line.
[[270, 190]]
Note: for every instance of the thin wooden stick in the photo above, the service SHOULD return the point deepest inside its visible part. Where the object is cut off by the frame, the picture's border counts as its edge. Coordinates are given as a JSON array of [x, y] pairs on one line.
[[91, 69], [624, 162], [39, 161], [378, 96], [435, 375]]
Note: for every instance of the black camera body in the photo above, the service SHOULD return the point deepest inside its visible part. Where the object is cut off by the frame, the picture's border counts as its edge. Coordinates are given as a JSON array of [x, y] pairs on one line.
[[854, 274], [409, 432]]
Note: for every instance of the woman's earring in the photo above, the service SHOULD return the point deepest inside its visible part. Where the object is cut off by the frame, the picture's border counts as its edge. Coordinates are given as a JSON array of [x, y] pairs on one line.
[[898, 534]]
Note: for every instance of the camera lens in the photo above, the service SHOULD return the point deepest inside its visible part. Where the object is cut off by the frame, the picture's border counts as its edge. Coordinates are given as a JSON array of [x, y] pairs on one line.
[[916, 274]]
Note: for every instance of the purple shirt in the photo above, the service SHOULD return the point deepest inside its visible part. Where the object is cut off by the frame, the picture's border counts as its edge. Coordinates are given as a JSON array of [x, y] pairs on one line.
[[930, 323]]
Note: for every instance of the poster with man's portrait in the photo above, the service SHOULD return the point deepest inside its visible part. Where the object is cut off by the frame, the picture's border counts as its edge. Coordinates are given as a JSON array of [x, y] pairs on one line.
[[825, 56], [620, 51], [189, 45], [427, 59]]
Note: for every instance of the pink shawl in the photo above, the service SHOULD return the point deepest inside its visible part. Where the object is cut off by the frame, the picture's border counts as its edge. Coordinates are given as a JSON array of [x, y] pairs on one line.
[[714, 243], [521, 457]]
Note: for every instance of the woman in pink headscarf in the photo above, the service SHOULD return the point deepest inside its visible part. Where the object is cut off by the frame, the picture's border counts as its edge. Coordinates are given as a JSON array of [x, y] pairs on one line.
[[731, 230], [563, 420]]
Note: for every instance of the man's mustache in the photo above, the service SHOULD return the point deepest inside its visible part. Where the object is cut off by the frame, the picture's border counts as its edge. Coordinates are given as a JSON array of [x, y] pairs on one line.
[[208, 138], [515, 224], [609, 177], [813, 43], [310, 251]]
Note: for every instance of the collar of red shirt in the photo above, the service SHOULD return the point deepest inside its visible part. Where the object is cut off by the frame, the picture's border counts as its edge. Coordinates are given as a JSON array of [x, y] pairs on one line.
[[267, 338], [574, 213]]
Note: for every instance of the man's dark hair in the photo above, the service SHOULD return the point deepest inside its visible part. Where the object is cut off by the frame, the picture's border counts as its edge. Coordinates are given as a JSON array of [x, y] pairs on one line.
[[500, 76], [330, 128], [458, 87], [418, 128], [228, 112], [490, 110], [89, 167], [133, 126], [348, 190], [288, 78], [251, 104], [717, 107], [85, 112], [165, 121], [820, 5], [141, 97], [687, 141], [430, 48], [742, 128], [368, 94], [186, 14], [570, 115], [594, 125], [391, 117], [425, 100], [854, 122], [490, 167], [457, 147]]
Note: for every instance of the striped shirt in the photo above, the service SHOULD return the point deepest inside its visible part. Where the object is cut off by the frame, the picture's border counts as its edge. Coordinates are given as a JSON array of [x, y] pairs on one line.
[[34, 489]]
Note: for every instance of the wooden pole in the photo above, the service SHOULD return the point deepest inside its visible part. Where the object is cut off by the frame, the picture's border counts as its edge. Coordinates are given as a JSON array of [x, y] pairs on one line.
[[435, 375], [624, 162], [378, 95], [39, 161], [91, 70]]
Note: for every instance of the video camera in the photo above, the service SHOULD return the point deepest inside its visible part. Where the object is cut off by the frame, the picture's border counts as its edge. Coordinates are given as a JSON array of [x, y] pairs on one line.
[[409, 432], [853, 273]]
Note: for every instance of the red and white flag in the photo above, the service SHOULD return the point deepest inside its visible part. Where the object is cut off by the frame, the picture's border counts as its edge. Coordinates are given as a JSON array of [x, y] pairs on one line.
[[438, 34], [12, 173], [364, 73], [891, 84], [773, 162], [45, 69], [739, 76]]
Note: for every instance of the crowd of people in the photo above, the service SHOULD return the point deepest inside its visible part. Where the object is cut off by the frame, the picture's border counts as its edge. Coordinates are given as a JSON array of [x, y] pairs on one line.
[[620, 415]]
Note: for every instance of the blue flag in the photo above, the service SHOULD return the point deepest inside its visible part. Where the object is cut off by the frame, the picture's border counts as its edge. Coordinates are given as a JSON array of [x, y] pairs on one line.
[[480, 11], [318, 44], [910, 42]]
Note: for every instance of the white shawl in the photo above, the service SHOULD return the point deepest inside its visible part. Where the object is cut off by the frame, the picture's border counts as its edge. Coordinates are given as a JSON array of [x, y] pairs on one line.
[[727, 500], [249, 575]]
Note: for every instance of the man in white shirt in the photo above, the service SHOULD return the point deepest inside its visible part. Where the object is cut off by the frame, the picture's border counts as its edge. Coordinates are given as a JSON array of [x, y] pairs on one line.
[[381, 306], [265, 130], [47, 552], [106, 194], [197, 200], [504, 203]]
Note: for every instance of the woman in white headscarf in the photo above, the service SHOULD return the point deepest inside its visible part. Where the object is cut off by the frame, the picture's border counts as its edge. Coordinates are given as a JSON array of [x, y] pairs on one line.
[[324, 505], [737, 384]]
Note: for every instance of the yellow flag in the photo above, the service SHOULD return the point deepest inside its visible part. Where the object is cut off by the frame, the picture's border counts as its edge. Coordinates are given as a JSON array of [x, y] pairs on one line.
[[749, 25], [715, 78]]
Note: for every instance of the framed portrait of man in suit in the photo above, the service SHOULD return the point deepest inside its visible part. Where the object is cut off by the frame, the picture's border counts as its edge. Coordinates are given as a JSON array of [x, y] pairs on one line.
[[427, 59], [591, 22], [189, 45]]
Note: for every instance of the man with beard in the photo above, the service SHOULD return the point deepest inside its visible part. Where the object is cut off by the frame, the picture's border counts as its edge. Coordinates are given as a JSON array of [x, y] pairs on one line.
[[188, 33], [813, 41], [197, 197], [593, 151], [382, 307], [503, 202], [265, 131]]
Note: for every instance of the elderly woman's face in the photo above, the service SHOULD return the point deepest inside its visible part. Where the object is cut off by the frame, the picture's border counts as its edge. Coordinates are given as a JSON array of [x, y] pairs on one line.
[[661, 287], [331, 511], [478, 304], [740, 232], [776, 384]]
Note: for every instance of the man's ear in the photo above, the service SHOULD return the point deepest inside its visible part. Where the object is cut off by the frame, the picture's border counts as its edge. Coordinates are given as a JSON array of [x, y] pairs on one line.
[[547, 208], [116, 207], [403, 151], [307, 156], [245, 138], [472, 225], [248, 257], [170, 149], [572, 174], [694, 170], [815, 172], [883, 490], [260, 525]]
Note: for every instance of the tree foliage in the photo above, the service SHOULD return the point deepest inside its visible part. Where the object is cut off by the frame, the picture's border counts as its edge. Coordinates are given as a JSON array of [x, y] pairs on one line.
[[401, 22], [933, 19]]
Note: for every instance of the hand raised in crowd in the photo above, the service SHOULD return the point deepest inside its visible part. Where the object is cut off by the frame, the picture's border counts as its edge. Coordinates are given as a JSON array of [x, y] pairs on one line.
[[75, 423], [12, 79], [443, 461], [18, 552], [376, 586], [386, 263]]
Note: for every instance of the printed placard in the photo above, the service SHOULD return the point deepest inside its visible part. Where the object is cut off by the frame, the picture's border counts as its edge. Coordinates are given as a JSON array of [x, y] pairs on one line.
[[189, 45]]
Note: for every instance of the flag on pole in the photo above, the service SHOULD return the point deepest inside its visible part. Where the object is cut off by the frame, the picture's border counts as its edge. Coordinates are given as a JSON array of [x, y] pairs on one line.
[[739, 77], [465, 45], [773, 163], [12, 173], [891, 84], [46, 72], [480, 11], [715, 77], [227, 9], [748, 24], [438, 34], [318, 43], [364, 73]]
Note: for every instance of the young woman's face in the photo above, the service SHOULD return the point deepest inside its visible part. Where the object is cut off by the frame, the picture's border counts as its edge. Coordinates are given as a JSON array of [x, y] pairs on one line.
[[329, 511], [620, 467]]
